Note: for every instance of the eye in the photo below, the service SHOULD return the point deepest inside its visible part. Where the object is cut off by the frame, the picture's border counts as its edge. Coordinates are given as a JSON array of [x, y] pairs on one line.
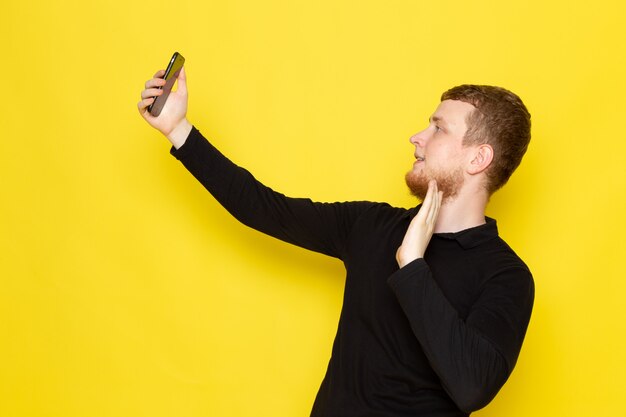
[[438, 129]]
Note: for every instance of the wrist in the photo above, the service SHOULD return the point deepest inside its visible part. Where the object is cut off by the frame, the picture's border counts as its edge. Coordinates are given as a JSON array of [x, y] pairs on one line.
[[403, 258], [179, 134]]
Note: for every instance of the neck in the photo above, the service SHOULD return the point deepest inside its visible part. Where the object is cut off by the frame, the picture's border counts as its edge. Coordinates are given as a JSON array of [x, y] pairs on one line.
[[464, 211]]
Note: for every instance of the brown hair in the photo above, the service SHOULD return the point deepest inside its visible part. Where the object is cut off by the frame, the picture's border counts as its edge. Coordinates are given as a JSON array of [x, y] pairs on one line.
[[500, 120]]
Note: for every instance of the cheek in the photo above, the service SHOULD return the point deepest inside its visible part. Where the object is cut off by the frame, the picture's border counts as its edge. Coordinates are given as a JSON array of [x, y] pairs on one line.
[[449, 154], [443, 159], [437, 153]]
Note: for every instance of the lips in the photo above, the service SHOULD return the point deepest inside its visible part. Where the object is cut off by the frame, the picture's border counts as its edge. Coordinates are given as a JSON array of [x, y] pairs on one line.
[[418, 160]]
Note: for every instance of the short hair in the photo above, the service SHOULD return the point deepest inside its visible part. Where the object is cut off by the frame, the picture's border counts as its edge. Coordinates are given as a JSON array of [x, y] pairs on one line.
[[499, 119]]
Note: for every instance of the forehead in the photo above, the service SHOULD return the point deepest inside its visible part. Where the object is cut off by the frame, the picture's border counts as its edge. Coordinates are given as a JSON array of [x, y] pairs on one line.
[[453, 113]]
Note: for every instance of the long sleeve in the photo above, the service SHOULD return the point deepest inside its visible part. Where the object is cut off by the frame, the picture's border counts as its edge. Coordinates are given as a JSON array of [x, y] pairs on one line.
[[321, 227], [474, 356]]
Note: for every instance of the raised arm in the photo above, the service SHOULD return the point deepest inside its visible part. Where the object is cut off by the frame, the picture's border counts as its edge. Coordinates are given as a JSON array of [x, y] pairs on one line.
[[322, 227]]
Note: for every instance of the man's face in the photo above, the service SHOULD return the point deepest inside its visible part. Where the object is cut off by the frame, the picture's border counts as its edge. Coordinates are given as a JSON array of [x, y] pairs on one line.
[[439, 151]]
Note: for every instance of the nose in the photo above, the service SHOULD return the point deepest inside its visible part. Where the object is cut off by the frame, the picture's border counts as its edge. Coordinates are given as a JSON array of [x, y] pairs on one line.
[[418, 139]]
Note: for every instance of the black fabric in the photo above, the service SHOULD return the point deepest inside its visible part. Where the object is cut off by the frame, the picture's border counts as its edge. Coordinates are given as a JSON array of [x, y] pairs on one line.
[[438, 337]]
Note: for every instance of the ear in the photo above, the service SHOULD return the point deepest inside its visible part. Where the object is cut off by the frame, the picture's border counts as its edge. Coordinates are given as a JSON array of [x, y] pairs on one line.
[[481, 159]]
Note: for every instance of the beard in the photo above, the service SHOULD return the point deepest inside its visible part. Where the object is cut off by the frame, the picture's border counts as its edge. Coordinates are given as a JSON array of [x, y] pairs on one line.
[[448, 182]]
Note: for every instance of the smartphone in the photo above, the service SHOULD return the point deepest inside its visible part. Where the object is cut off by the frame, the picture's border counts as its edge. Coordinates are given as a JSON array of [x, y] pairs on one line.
[[171, 73]]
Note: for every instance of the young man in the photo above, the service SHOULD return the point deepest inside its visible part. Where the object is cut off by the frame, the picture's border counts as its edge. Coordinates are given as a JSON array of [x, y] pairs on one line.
[[436, 305]]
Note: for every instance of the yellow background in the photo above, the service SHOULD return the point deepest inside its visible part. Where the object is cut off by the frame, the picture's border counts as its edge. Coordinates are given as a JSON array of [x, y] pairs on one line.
[[125, 290]]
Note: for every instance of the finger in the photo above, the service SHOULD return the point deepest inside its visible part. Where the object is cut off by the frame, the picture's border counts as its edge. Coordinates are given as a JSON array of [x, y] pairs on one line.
[[432, 210], [155, 82], [436, 206], [428, 200], [159, 74], [182, 81], [151, 92], [423, 216], [143, 105]]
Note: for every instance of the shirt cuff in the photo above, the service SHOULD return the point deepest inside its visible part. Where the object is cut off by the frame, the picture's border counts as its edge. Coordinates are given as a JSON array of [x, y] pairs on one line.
[[188, 146], [407, 274]]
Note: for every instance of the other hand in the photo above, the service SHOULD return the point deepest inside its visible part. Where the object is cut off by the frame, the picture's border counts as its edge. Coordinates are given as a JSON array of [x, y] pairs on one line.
[[421, 228]]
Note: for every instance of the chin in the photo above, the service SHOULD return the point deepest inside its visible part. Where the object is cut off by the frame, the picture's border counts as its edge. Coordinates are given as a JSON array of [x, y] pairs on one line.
[[417, 183], [449, 183]]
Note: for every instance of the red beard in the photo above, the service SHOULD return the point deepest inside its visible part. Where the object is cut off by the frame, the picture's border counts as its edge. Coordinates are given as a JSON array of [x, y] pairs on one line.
[[450, 183]]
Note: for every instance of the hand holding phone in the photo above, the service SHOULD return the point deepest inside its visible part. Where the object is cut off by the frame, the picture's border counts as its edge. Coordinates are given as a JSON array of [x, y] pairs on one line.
[[171, 74]]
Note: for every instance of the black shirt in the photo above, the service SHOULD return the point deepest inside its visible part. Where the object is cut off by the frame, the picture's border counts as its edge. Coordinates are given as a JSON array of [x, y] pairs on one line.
[[438, 337]]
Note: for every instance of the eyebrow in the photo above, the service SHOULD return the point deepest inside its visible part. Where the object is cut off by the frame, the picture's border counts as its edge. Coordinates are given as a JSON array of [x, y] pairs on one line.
[[437, 119]]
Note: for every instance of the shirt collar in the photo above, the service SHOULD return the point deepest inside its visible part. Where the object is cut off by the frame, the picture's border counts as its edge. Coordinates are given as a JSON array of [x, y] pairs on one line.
[[468, 238]]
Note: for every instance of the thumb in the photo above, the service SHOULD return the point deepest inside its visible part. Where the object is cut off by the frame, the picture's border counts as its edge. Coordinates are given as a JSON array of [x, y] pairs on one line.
[[182, 81]]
